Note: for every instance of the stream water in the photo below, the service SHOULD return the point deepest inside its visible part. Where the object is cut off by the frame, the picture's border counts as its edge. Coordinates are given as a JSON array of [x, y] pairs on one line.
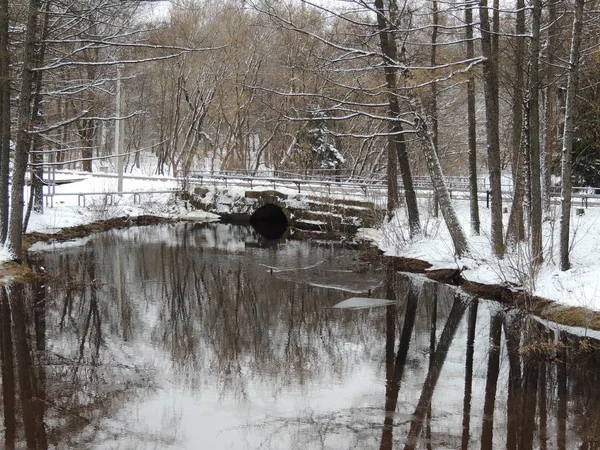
[[206, 336]]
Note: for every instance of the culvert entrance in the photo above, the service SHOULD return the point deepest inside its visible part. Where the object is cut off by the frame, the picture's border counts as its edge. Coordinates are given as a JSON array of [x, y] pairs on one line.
[[270, 221]]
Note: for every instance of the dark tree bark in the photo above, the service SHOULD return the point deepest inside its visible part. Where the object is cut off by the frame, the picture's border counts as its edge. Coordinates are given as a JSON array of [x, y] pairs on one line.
[[472, 127], [562, 392], [535, 204], [518, 87], [433, 106], [550, 104], [491, 384], [4, 120], [36, 201], [492, 112], [433, 374], [567, 147], [37, 118], [515, 230], [531, 363], [395, 366], [512, 333], [8, 375], [390, 59], [392, 177], [466, 422], [35, 433], [15, 229]]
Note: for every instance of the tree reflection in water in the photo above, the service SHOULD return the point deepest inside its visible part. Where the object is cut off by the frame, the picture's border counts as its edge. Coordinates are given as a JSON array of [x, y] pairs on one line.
[[171, 336]]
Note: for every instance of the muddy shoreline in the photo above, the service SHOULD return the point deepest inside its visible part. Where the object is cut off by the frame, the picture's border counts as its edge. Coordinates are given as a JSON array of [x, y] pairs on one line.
[[509, 296]]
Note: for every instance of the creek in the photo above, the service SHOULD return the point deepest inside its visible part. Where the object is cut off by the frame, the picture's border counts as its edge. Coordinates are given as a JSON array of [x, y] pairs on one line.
[[188, 336]]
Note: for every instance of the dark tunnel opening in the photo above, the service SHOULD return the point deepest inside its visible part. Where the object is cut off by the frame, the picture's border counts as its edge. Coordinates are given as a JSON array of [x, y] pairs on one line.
[[269, 221]]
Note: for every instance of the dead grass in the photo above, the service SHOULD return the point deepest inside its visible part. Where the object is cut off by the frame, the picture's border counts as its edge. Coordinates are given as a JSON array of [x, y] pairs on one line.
[[13, 271]]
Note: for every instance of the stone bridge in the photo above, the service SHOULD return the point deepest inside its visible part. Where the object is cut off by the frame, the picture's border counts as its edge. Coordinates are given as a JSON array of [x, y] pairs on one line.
[[318, 214]]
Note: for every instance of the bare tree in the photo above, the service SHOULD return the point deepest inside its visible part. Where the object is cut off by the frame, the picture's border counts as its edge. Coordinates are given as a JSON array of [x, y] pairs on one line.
[[550, 96], [433, 103], [472, 125], [567, 146], [5, 117], [15, 229], [516, 228], [390, 56], [535, 204], [490, 82], [461, 247]]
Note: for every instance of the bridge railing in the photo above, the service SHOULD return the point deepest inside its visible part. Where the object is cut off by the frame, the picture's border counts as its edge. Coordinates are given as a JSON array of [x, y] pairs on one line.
[[345, 182], [330, 175]]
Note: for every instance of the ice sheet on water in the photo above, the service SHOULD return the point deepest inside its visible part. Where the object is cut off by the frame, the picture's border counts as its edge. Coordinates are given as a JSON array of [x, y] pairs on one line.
[[362, 303]]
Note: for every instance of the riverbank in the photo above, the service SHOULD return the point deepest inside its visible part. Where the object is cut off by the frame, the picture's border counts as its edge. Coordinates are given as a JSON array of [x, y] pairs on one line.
[[507, 294], [572, 297]]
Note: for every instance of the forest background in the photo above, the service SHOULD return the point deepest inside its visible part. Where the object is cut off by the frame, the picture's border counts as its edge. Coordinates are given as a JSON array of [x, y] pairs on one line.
[[500, 90]]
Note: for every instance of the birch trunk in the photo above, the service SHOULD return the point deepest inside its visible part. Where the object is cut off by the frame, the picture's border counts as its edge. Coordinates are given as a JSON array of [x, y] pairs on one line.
[[457, 234], [567, 147]]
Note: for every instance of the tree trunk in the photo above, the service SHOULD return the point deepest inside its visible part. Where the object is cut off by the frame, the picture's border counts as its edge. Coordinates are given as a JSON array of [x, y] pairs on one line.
[[512, 333], [8, 374], [472, 127], [4, 120], [390, 56], [433, 101], [567, 147], [535, 205], [468, 393], [35, 433], [15, 230], [37, 173], [491, 382], [433, 374], [392, 177], [550, 104], [492, 111], [518, 87], [457, 235], [395, 365], [515, 230]]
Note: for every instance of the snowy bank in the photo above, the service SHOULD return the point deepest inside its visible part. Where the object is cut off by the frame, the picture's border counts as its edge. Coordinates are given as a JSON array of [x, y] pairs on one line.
[[578, 286]]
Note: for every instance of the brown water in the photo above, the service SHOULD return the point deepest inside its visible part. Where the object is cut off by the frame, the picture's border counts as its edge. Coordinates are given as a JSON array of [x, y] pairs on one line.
[[205, 337]]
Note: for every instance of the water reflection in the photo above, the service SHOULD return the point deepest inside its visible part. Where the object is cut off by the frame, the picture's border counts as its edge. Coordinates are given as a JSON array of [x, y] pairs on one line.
[[193, 336]]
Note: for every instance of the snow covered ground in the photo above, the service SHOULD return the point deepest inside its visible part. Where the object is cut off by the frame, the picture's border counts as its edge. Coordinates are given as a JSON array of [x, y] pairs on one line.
[[579, 286]]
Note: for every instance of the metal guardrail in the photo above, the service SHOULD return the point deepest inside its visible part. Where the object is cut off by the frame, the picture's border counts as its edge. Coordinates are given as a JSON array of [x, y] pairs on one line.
[[310, 178], [108, 196], [325, 175], [344, 180]]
